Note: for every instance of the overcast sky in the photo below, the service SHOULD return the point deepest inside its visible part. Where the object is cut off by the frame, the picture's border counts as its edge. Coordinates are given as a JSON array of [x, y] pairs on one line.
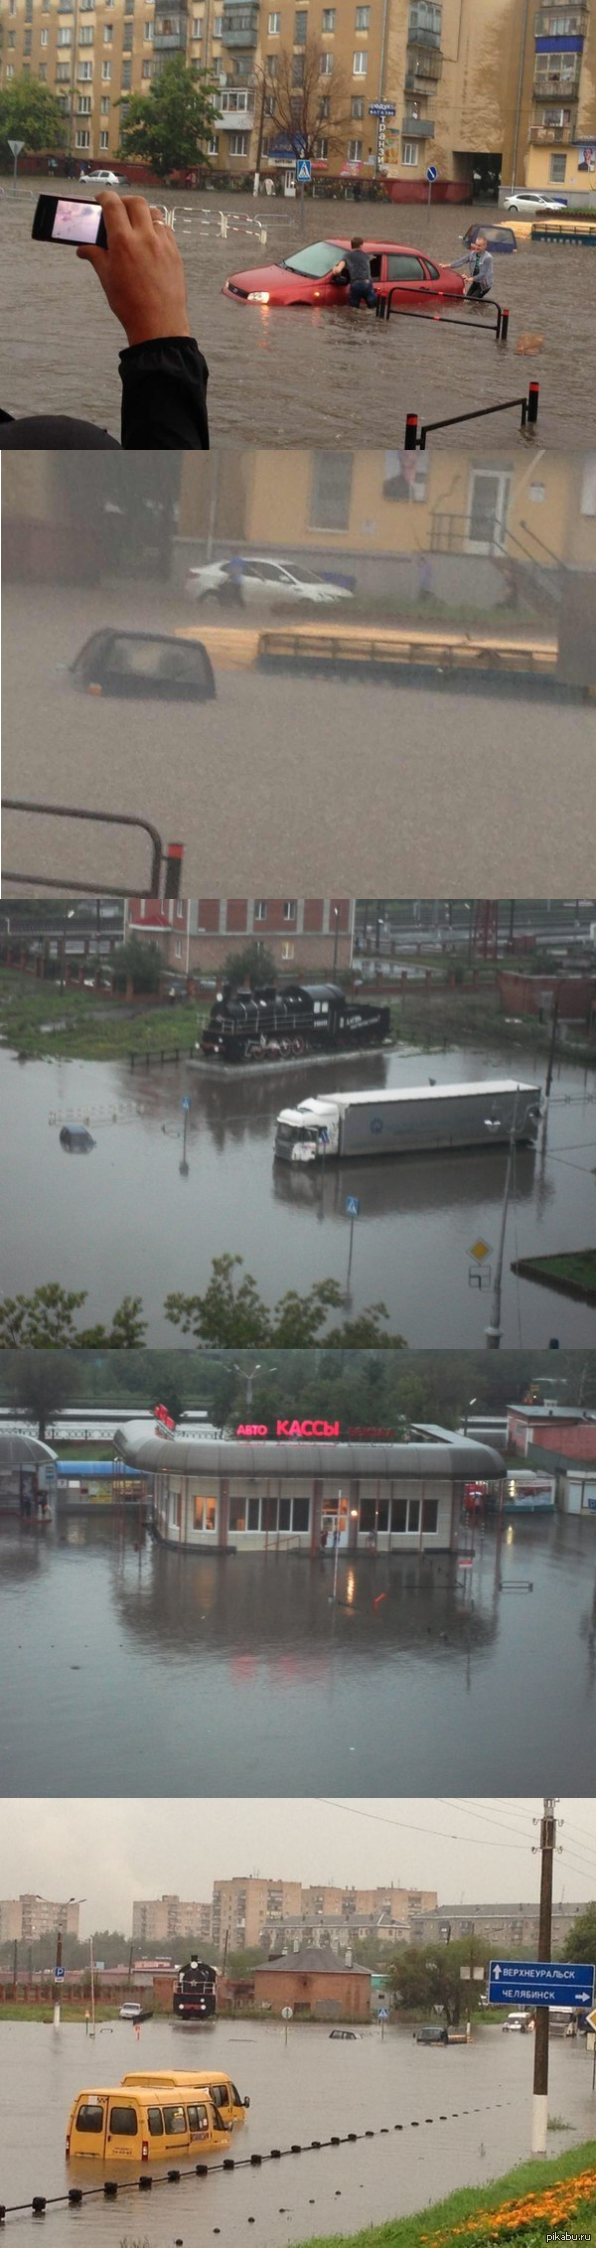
[[108, 1852]]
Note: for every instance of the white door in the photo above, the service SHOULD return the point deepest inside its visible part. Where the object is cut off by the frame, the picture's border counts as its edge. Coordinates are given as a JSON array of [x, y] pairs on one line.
[[488, 510]]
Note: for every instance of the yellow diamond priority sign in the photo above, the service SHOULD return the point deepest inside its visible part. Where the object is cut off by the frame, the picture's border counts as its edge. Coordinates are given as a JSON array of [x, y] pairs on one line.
[[479, 1250]]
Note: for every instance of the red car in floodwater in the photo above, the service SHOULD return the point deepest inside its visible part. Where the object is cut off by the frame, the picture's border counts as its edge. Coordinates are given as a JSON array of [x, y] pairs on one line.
[[306, 278]]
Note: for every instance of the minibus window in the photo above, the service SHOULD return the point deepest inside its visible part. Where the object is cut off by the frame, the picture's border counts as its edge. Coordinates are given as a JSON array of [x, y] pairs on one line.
[[236, 2100], [89, 2118], [175, 2121], [123, 2123], [197, 2117], [155, 2121], [219, 2095]]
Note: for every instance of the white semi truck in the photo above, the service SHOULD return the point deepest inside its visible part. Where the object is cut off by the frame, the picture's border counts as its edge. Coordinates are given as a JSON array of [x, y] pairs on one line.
[[408, 1121]]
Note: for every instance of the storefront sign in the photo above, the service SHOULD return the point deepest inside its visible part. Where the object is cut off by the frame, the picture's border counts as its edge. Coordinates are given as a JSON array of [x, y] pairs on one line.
[[307, 1430]]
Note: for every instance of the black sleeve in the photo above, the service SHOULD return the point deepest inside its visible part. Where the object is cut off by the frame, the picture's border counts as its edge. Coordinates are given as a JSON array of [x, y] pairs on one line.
[[164, 396]]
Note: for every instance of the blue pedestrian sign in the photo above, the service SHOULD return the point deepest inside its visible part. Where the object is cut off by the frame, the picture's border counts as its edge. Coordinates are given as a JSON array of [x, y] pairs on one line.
[[303, 171], [432, 174], [531, 1982], [382, 2015], [185, 1102], [59, 1974], [352, 1206]]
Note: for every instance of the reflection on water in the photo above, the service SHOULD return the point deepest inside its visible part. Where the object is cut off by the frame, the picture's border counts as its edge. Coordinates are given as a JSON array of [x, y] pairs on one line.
[[418, 1217], [304, 2089], [164, 1673]]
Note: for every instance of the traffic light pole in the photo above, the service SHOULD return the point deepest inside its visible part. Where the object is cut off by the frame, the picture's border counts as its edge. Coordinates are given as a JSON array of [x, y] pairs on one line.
[[548, 1831]]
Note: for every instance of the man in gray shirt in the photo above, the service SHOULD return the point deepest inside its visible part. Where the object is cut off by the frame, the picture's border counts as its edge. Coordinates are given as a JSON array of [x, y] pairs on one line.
[[480, 266], [356, 264]]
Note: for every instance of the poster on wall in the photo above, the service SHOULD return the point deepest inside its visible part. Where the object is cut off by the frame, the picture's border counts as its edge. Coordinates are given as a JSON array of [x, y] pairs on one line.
[[586, 161], [404, 476]]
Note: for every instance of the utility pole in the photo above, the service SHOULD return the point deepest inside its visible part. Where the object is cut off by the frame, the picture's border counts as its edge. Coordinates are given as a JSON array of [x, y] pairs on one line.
[[494, 1330], [548, 1833], [57, 1977], [553, 1041]]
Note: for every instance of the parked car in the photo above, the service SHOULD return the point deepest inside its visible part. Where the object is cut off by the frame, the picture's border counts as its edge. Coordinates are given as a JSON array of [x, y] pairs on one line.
[[76, 1138], [500, 239], [134, 2011], [518, 2022], [307, 277], [432, 2033], [144, 663], [352, 2035], [262, 581], [529, 204]]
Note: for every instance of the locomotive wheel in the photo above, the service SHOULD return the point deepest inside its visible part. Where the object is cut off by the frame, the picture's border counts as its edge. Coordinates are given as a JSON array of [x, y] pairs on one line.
[[297, 1045]]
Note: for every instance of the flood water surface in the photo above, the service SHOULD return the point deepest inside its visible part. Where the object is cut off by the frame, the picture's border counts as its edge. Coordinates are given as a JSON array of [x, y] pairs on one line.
[[442, 2119], [132, 1669]]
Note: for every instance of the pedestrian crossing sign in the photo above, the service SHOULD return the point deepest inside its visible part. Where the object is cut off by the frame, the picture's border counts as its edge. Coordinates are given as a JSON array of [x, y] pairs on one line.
[[303, 171]]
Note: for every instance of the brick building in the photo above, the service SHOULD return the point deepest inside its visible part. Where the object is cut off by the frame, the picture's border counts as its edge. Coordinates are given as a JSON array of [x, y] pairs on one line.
[[555, 1435], [316, 1985], [196, 934]]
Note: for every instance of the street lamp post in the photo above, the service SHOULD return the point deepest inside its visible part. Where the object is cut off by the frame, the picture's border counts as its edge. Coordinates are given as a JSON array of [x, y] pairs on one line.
[[471, 1401], [335, 911], [494, 1330]]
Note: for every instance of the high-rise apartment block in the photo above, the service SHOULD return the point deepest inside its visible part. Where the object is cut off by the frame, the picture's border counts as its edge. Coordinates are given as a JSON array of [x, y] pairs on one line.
[[487, 90], [161, 1920], [24, 1919]]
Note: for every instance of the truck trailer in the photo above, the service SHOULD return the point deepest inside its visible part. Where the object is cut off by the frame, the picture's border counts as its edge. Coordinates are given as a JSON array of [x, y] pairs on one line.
[[408, 1121]]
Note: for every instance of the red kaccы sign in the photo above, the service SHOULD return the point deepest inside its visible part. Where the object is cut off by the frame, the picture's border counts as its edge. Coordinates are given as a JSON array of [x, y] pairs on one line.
[[303, 1430]]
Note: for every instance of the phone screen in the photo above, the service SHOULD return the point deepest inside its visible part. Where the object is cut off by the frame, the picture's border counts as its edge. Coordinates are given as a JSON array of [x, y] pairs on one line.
[[76, 221], [69, 218]]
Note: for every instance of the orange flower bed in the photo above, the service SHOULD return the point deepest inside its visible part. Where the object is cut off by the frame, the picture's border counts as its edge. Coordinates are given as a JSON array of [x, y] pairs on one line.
[[551, 2208]]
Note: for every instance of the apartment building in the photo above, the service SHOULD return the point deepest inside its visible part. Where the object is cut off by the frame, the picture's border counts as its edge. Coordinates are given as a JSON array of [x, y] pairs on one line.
[[501, 1928], [488, 90], [272, 1913], [243, 1906], [23, 1919], [157, 1920], [196, 934]]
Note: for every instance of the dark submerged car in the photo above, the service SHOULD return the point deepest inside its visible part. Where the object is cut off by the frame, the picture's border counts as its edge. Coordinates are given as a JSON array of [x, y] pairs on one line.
[[76, 1138], [144, 663]]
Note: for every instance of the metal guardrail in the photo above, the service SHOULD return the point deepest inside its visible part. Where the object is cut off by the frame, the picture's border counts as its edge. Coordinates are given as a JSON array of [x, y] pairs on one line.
[[498, 328], [415, 439], [165, 864]]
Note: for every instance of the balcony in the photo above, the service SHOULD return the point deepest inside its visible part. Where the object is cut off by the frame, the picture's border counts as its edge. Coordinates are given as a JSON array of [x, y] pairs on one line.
[[563, 84], [547, 136], [418, 128], [419, 37], [235, 121], [170, 36], [240, 26], [422, 62], [547, 23]]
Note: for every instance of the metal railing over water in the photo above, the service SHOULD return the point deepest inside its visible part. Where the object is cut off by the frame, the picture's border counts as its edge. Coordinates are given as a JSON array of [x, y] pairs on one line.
[[165, 871], [415, 437]]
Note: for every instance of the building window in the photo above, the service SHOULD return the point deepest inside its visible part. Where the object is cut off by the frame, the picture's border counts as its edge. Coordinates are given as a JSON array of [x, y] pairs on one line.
[[413, 1515], [321, 151], [87, 35], [44, 36], [287, 951], [261, 909], [430, 1516], [104, 140], [43, 72], [147, 70], [10, 70], [85, 70], [149, 30], [239, 144], [290, 909], [64, 35], [105, 105], [12, 38], [108, 33], [362, 19], [205, 1514], [410, 154], [558, 167], [331, 491], [357, 106], [62, 72], [328, 21], [83, 140], [399, 1516], [127, 39], [297, 70], [126, 79], [360, 63], [326, 63], [301, 1514], [106, 70], [300, 25], [213, 148], [274, 25], [84, 105], [355, 151], [238, 1514], [426, 18]]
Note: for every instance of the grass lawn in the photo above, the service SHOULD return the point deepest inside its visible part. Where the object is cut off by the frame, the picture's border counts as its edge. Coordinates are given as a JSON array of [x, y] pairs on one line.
[[39, 1019], [538, 2199], [572, 1273]]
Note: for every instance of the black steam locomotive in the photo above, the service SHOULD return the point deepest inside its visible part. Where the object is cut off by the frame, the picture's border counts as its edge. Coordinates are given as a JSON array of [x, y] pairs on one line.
[[195, 1993], [275, 1025]]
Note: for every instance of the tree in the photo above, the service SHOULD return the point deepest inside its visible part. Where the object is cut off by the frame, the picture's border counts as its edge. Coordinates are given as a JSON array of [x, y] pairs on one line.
[[138, 963], [41, 1383], [429, 1975], [580, 1944], [254, 966], [242, 1963], [172, 125], [45, 1321], [305, 100], [232, 1312], [30, 113]]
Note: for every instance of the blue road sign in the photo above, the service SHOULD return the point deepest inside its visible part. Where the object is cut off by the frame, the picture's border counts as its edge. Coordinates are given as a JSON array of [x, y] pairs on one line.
[[382, 2015], [382, 109], [185, 1101], [58, 1974], [352, 1206], [530, 1982], [432, 174], [303, 170]]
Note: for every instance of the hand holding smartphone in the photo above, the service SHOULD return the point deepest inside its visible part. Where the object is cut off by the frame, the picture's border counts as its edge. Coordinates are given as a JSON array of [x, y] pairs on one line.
[[68, 218]]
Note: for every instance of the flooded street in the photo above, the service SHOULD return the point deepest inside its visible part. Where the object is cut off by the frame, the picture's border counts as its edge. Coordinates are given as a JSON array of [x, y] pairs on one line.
[[453, 2117], [408, 774], [302, 377], [136, 1670], [127, 1221]]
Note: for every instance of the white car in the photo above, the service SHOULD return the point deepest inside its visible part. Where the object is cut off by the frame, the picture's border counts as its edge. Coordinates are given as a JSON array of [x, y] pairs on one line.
[[253, 579], [530, 205], [519, 2022], [104, 179]]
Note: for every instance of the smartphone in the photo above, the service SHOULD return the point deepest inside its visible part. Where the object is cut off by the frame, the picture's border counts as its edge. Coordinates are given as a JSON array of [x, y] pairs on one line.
[[67, 218]]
